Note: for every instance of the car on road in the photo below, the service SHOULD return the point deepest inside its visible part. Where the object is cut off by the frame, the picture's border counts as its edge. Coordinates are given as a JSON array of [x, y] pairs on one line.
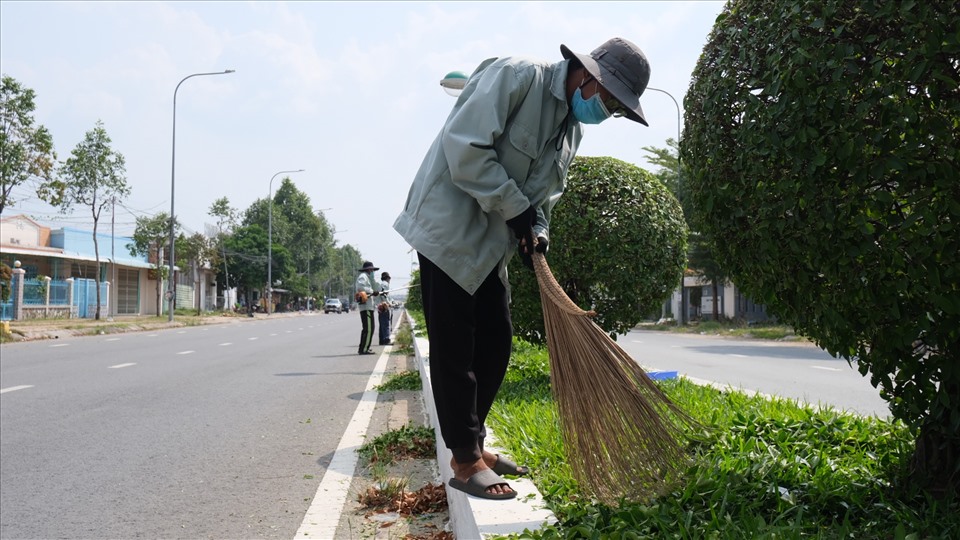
[[333, 305]]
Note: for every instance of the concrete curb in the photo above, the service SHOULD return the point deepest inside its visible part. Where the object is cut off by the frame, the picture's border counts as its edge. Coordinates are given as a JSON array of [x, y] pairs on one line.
[[473, 517]]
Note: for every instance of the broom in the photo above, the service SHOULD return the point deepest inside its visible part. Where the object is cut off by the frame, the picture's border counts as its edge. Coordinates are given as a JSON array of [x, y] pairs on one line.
[[624, 437]]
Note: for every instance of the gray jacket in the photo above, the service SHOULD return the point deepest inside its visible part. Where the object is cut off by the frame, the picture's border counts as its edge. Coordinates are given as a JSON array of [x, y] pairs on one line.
[[496, 154], [367, 283]]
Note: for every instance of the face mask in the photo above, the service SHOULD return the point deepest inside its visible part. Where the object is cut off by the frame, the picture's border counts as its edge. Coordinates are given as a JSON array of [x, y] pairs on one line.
[[589, 111]]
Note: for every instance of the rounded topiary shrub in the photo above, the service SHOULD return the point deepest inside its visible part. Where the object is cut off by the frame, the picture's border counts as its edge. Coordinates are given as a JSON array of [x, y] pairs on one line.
[[617, 246], [822, 144]]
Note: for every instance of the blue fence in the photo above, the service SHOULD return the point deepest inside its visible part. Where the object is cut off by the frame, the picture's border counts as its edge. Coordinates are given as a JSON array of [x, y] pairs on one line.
[[34, 293], [35, 297]]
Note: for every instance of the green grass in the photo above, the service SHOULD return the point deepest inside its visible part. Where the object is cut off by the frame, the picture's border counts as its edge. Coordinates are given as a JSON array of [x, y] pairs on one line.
[[405, 380], [403, 341], [409, 441], [760, 469], [740, 329]]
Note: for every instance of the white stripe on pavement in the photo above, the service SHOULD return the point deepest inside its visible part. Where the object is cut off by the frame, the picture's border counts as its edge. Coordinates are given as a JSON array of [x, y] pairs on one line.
[[15, 388], [118, 366], [324, 513], [186, 352]]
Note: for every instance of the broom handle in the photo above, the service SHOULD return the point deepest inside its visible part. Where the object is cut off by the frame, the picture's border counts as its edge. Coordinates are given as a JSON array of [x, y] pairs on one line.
[[550, 287]]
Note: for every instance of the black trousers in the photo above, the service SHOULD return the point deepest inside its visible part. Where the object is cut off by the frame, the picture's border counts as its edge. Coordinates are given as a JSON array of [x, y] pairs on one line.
[[470, 341], [366, 335]]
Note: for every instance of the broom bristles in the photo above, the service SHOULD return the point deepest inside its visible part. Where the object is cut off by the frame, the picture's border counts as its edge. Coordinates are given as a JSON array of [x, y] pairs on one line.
[[624, 437]]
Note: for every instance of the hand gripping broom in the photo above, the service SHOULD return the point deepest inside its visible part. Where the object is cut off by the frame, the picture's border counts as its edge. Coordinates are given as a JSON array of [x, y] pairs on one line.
[[623, 436]]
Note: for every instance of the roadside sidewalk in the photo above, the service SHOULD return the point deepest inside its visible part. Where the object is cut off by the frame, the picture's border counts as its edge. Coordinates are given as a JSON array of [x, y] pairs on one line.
[[39, 329]]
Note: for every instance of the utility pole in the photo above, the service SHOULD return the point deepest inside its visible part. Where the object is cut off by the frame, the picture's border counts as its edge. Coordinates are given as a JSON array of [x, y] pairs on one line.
[[113, 259]]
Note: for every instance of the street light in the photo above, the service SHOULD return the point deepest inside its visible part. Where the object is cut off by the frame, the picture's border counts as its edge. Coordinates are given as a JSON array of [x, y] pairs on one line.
[[453, 83], [172, 287], [270, 241], [683, 298]]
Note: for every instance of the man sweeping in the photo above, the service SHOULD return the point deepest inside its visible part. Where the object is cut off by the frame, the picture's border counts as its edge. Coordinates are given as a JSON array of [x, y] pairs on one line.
[[490, 179]]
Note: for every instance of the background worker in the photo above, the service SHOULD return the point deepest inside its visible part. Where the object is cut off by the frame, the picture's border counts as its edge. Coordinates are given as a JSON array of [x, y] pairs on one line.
[[385, 314], [493, 175], [367, 290]]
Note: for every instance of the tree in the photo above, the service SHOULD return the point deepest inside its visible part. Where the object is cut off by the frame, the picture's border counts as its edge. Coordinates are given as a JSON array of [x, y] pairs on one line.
[[149, 239], [669, 162], [247, 253], [226, 219], [6, 279], [304, 233], [700, 259], [821, 139], [96, 176], [617, 246], [26, 149]]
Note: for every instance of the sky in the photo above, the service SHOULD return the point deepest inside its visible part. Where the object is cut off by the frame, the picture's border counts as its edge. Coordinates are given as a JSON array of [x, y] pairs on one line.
[[347, 91]]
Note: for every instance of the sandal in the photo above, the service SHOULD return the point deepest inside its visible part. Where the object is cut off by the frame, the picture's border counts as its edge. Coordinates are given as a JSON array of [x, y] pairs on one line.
[[505, 466], [478, 484]]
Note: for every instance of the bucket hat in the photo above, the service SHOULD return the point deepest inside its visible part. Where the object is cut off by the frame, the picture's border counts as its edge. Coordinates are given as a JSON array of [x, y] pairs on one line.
[[385, 275], [368, 267], [621, 68]]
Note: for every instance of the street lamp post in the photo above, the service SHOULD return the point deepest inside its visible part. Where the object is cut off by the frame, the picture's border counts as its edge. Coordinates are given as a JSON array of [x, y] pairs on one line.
[[683, 297], [172, 287], [270, 241]]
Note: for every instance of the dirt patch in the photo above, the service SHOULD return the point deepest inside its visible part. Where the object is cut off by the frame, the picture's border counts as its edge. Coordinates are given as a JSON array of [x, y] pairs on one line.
[[396, 494]]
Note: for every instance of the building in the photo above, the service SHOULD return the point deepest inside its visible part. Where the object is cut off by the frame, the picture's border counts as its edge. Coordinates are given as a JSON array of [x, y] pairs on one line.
[[731, 302], [64, 253]]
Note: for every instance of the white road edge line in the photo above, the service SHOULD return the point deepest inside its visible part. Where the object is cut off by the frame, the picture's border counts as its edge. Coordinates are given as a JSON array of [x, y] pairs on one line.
[[118, 366], [186, 352], [15, 388], [826, 368], [60, 345], [323, 516]]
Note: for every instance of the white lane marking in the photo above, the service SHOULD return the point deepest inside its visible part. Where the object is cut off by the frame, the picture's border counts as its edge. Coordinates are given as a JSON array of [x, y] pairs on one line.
[[151, 335], [252, 338], [289, 331], [186, 352], [118, 366], [226, 344], [15, 388], [739, 355], [182, 332], [60, 345], [826, 368], [272, 335], [113, 339], [324, 513]]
